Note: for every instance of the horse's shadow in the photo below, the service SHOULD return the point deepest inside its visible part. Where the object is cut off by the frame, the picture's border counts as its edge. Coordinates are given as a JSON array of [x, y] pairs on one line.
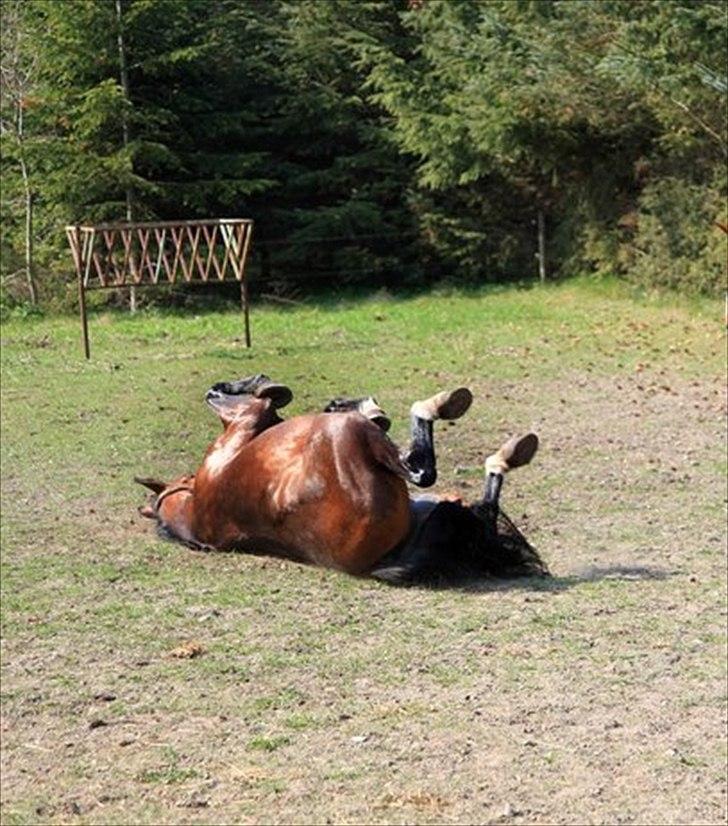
[[556, 584]]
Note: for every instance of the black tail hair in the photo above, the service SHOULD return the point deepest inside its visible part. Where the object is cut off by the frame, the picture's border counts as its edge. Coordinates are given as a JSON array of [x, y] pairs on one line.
[[457, 544]]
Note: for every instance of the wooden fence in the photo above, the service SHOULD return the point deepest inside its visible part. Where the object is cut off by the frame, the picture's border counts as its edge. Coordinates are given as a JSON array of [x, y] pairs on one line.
[[113, 256]]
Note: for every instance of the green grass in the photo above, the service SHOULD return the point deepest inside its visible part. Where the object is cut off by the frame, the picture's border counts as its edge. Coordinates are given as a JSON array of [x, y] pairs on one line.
[[170, 772], [320, 696], [268, 743]]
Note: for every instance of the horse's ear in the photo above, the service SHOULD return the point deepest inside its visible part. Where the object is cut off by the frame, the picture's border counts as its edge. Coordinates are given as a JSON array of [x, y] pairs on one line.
[[153, 484]]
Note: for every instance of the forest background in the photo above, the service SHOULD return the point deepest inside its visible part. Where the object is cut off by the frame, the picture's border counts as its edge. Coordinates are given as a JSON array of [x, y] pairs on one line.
[[379, 143]]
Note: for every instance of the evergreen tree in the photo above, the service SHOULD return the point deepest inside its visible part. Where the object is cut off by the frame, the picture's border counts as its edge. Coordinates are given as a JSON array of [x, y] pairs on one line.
[[340, 212], [378, 142], [561, 103], [18, 134]]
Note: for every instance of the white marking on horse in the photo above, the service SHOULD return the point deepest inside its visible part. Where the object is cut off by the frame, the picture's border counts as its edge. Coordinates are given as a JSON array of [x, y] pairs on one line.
[[224, 450], [298, 482]]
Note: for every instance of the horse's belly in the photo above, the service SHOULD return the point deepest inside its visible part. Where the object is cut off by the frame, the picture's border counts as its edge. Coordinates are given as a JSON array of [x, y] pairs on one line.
[[316, 496], [336, 536]]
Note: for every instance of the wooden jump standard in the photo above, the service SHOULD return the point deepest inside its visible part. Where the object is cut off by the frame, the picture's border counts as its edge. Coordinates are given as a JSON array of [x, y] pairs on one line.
[[111, 256]]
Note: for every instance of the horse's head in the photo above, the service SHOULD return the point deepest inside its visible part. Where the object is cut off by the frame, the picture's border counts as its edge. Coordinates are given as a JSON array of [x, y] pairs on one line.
[[170, 503], [253, 397]]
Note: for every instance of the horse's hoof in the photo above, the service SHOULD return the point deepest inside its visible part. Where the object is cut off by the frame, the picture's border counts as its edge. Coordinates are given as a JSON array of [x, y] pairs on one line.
[[450, 404], [279, 394], [371, 410], [367, 406], [518, 450], [259, 386], [382, 422]]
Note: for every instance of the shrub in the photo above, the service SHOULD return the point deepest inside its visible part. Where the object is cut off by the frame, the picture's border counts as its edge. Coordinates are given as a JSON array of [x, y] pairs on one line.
[[676, 242]]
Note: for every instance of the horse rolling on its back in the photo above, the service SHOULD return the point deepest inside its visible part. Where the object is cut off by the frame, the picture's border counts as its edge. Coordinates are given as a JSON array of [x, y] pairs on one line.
[[331, 489]]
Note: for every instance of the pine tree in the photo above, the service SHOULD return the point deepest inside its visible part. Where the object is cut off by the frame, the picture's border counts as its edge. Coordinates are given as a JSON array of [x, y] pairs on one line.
[[559, 103], [340, 212]]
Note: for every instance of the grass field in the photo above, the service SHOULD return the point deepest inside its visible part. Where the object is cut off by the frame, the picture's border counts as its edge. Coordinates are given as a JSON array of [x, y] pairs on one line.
[[598, 696]]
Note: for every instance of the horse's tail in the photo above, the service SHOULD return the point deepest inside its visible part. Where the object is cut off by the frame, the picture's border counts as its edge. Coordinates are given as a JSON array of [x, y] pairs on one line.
[[456, 544]]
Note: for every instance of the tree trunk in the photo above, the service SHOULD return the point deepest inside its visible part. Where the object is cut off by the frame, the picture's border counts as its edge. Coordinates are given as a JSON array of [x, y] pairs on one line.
[[265, 267], [29, 262], [541, 255], [124, 75]]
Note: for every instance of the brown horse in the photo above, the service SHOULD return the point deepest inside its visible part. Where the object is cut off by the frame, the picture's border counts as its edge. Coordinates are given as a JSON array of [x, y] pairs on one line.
[[331, 489]]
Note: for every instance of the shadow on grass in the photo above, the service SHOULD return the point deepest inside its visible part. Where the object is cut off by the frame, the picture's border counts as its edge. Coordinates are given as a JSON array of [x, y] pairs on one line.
[[202, 299], [539, 584], [555, 584]]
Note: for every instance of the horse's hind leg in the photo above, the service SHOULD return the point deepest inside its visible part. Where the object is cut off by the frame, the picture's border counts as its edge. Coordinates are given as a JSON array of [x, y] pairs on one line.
[[419, 459], [366, 405], [516, 452]]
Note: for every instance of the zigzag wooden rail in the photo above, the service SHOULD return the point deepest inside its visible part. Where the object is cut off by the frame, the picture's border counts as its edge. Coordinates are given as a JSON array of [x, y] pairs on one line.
[[148, 254]]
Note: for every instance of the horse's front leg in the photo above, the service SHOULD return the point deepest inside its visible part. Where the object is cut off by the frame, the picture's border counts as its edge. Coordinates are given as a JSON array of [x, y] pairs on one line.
[[255, 398]]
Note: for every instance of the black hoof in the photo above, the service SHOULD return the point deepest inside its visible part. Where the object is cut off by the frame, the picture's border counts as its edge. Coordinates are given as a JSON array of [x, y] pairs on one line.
[[259, 386], [342, 405], [366, 405]]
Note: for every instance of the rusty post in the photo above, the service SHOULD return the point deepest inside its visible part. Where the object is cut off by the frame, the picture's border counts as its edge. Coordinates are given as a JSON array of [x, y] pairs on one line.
[[81, 293], [247, 230], [246, 309], [84, 319]]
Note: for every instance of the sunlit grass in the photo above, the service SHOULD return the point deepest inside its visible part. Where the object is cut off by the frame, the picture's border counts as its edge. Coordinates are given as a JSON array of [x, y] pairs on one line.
[[307, 675]]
